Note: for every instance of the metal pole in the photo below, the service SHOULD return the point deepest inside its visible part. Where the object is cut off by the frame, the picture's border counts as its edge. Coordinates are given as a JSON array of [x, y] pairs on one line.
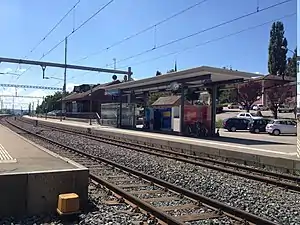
[[65, 80], [91, 104]]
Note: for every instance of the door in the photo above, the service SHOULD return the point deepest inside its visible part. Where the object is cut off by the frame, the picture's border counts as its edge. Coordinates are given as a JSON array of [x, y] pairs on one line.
[[291, 127], [284, 127], [244, 125], [248, 116], [238, 124], [157, 119], [242, 115]]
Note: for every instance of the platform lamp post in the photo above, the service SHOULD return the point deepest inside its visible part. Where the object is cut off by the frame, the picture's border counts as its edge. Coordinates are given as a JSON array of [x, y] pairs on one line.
[[91, 103]]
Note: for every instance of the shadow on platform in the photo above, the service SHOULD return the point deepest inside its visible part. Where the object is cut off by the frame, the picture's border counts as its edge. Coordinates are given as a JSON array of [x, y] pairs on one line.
[[245, 141]]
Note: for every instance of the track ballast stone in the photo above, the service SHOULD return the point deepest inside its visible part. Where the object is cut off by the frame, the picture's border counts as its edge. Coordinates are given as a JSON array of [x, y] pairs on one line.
[[274, 203]]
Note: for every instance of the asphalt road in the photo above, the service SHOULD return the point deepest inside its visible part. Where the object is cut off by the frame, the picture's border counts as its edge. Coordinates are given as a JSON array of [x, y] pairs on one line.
[[282, 143], [234, 112]]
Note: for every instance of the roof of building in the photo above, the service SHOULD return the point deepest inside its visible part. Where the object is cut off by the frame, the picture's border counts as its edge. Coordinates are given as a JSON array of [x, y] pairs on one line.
[[168, 100], [195, 76], [80, 95]]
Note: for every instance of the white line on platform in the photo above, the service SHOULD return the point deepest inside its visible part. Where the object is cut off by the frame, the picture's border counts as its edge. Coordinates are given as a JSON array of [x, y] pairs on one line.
[[5, 157]]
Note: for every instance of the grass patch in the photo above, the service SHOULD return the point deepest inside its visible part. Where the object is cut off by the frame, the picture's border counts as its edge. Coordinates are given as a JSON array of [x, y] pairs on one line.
[[219, 123]]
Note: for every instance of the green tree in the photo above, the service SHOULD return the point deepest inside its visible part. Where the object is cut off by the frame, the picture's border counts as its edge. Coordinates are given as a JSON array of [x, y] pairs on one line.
[[158, 73], [29, 109], [50, 103], [291, 67], [171, 71], [191, 95], [277, 50]]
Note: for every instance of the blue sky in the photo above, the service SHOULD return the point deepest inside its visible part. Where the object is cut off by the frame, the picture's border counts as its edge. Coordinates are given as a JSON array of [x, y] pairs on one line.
[[25, 23]]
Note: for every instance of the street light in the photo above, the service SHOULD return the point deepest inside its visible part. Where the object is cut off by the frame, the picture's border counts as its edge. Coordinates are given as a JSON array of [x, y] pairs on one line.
[[285, 48]]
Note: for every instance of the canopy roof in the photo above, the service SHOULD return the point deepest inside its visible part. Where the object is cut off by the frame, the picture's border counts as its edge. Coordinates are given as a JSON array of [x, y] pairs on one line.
[[199, 76]]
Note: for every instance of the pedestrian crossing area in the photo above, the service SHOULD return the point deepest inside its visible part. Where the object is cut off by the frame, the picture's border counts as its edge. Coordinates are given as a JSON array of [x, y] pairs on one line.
[[5, 157]]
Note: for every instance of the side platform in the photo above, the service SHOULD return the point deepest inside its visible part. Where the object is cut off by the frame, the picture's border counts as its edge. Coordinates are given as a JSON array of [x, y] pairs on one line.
[[275, 153], [32, 177]]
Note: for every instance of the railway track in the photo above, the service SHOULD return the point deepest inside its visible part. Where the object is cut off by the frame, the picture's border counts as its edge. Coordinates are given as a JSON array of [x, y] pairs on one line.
[[167, 202], [287, 181]]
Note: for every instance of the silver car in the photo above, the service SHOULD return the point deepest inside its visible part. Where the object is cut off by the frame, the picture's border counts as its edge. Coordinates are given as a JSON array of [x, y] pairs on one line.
[[280, 126]]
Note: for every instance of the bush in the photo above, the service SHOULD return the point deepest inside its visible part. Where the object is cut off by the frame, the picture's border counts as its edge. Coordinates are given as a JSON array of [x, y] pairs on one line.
[[219, 123], [224, 104]]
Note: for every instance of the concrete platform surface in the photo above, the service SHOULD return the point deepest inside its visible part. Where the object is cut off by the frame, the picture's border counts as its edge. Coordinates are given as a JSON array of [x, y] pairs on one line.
[[260, 149], [32, 177], [19, 155], [263, 144]]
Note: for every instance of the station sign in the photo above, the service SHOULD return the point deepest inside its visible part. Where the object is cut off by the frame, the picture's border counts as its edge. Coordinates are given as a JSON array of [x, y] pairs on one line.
[[112, 92]]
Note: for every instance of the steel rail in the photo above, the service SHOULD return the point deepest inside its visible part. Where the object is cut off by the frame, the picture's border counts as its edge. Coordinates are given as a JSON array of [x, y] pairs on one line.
[[211, 202], [184, 158]]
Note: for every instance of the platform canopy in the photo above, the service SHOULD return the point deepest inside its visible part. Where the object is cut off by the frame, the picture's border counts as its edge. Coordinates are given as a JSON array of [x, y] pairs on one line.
[[195, 77]]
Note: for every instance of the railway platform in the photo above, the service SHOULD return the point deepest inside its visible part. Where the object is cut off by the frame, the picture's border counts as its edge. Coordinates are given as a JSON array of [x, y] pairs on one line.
[[250, 148], [32, 177]]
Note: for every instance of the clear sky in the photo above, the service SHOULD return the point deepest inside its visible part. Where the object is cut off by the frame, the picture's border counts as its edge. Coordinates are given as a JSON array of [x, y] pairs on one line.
[[25, 23]]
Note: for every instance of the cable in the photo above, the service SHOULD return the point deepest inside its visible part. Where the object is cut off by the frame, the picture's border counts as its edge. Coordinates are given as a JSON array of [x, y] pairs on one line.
[[141, 31], [70, 34], [79, 27], [202, 31], [210, 41], [56, 25]]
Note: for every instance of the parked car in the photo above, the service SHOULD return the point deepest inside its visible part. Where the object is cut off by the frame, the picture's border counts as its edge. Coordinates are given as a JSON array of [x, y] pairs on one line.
[[219, 109], [234, 124], [281, 126], [258, 125], [259, 107], [249, 116], [233, 106], [285, 109]]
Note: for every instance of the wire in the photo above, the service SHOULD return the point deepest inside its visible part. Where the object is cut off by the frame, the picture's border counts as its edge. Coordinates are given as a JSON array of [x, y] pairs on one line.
[[70, 34], [56, 25], [210, 41], [202, 31], [79, 27], [141, 31]]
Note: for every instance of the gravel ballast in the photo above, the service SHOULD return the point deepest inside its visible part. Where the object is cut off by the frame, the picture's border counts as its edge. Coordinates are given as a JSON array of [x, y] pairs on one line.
[[277, 204]]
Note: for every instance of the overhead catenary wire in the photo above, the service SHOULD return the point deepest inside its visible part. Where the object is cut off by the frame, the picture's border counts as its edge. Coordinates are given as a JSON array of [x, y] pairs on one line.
[[142, 31], [78, 28], [210, 41], [53, 28], [202, 31], [48, 34], [70, 34]]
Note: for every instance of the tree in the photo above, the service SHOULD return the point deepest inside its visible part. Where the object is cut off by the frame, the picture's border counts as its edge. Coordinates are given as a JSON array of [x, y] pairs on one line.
[[248, 93], [277, 50], [171, 71], [51, 102], [29, 109], [154, 96], [291, 67], [158, 73], [277, 92], [191, 95]]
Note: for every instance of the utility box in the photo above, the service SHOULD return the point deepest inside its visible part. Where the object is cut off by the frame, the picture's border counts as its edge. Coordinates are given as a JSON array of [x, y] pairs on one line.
[[68, 203]]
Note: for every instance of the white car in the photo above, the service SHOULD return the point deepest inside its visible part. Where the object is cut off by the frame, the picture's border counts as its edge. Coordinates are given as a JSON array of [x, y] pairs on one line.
[[277, 127], [249, 116], [259, 107]]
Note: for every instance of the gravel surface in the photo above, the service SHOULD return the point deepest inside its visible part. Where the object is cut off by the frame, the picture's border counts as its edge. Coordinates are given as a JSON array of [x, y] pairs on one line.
[[98, 213], [265, 200]]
